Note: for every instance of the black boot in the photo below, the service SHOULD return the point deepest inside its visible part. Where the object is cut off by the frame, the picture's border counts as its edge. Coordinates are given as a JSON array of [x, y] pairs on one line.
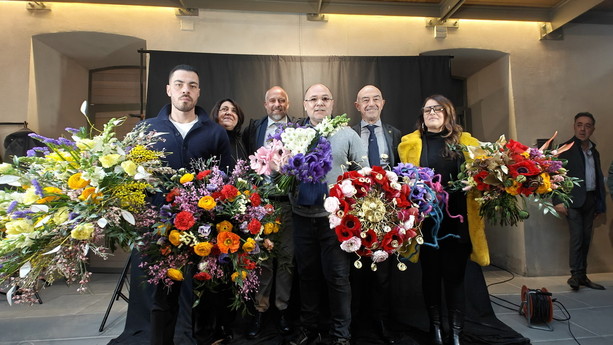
[[436, 329], [255, 325], [456, 325]]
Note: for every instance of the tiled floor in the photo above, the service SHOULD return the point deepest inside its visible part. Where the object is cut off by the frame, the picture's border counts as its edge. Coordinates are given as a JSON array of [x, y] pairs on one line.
[[69, 318]]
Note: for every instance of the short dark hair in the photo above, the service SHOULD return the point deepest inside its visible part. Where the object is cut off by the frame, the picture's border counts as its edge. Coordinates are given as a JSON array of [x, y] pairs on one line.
[[183, 67], [586, 114], [239, 112]]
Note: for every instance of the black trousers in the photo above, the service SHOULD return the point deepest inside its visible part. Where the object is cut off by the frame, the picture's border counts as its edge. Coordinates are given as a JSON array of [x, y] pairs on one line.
[[581, 224], [319, 259]]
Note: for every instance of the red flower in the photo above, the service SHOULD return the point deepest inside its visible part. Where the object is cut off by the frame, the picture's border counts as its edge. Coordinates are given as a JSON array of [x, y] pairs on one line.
[[343, 233], [352, 223], [482, 175], [527, 168], [202, 276], [379, 176], [170, 197], [405, 213], [255, 199], [369, 238], [269, 208], [229, 192], [203, 174], [516, 147], [254, 226], [391, 241], [184, 220], [248, 264], [336, 192]]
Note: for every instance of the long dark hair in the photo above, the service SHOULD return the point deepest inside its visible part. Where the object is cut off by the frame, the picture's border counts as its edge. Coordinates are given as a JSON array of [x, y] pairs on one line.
[[452, 130], [239, 113]]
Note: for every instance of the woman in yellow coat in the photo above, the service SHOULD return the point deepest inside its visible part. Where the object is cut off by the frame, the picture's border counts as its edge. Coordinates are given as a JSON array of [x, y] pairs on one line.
[[432, 145]]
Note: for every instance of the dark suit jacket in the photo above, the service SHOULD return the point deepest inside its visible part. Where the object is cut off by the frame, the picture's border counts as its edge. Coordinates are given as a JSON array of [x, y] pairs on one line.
[[392, 138], [253, 136], [576, 168]]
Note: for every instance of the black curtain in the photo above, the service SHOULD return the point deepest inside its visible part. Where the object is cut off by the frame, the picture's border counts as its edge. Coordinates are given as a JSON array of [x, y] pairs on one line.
[[405, 81]]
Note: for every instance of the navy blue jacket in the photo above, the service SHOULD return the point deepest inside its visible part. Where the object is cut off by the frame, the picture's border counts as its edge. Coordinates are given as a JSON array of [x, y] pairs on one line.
[[205, 140]]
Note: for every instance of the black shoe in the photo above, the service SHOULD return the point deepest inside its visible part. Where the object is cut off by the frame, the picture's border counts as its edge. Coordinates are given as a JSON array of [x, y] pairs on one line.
[[225, 334], [255, 325], [573, 282], [341, 341], [383, 333], [284, 325], [585, 281], [306, 337]]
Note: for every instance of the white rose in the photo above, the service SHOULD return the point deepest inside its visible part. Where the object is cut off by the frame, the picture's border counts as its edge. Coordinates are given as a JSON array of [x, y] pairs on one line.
[[331, 204]]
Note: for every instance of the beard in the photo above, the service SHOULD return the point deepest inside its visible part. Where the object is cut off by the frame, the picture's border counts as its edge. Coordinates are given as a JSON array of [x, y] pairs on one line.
[[184, 105], [277, 116]]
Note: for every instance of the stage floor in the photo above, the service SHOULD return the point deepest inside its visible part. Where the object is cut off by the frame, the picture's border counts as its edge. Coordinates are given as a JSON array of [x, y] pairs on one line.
[[69, 318]]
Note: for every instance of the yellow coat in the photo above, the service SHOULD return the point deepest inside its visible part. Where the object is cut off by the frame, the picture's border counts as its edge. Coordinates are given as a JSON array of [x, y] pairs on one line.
[[409, 151]]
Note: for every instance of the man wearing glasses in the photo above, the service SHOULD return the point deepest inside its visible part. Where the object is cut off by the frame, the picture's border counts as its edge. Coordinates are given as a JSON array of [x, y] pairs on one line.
[[316, 247], [588, 199]]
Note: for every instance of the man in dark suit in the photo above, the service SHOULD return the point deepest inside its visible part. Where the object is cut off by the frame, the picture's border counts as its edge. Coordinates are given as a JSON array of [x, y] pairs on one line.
[[369, 103], [276, 103], [381, 142], [588, 199]]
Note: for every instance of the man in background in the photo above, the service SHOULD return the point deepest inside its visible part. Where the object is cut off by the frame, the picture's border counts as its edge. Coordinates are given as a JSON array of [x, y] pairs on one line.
[[588, 199], [280, 269]]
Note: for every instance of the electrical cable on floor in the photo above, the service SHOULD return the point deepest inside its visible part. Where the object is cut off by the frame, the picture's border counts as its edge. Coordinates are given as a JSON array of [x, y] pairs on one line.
[[555, 301]]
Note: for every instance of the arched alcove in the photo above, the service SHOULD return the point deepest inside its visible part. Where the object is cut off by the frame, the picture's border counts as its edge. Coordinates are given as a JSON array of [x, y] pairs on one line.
[[61, 64]]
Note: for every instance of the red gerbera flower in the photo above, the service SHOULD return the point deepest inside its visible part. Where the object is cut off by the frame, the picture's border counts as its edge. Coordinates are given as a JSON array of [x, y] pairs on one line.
[[527, 168], [184, 220]]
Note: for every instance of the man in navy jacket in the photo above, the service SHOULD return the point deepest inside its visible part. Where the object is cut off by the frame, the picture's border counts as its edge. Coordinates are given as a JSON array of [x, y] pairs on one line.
[[189, 134], [588, 199]]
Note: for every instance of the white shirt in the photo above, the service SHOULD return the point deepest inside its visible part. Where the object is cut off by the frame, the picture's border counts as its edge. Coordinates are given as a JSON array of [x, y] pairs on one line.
[[365, 134], [183, 128]]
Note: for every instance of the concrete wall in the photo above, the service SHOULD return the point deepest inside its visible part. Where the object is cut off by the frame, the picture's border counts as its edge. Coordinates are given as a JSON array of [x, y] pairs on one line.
[[531, 92]]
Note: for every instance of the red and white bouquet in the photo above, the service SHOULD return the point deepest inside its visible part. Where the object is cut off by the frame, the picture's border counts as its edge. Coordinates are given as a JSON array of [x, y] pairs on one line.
[[378, 213]]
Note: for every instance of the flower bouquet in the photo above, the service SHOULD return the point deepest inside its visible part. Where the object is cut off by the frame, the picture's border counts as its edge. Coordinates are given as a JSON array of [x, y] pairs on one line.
[[298, 153], [215, 227], [378, 213], [505, 171], [63, 200]]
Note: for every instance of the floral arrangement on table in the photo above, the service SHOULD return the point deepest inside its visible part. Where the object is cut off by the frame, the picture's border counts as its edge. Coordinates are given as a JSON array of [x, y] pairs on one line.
[[214, 226], [299, 153], [72, 197], [505, 171], [378, 213]]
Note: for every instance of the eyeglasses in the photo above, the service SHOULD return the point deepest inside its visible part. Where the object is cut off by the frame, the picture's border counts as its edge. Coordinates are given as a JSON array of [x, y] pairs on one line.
[[436, 108], [315, 100]]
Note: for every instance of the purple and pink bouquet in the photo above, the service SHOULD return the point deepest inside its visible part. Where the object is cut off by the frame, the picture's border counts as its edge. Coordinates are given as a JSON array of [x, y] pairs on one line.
[[298, 153]]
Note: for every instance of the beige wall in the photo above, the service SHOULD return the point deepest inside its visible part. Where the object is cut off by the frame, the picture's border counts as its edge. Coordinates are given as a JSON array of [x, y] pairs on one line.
[[547, 81]]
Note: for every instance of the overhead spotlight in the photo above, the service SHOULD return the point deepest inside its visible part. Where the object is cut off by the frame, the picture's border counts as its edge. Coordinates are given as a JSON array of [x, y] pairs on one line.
[[33, 6]]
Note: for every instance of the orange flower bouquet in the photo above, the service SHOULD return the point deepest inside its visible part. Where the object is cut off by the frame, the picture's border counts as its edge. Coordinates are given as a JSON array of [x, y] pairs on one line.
[[215, 227]]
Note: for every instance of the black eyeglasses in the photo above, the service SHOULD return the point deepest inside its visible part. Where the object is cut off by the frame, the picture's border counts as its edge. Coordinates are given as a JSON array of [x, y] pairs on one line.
[[436, 108]]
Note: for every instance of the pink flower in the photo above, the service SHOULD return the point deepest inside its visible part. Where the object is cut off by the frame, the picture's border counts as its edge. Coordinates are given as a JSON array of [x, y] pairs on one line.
[[351, 245]]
